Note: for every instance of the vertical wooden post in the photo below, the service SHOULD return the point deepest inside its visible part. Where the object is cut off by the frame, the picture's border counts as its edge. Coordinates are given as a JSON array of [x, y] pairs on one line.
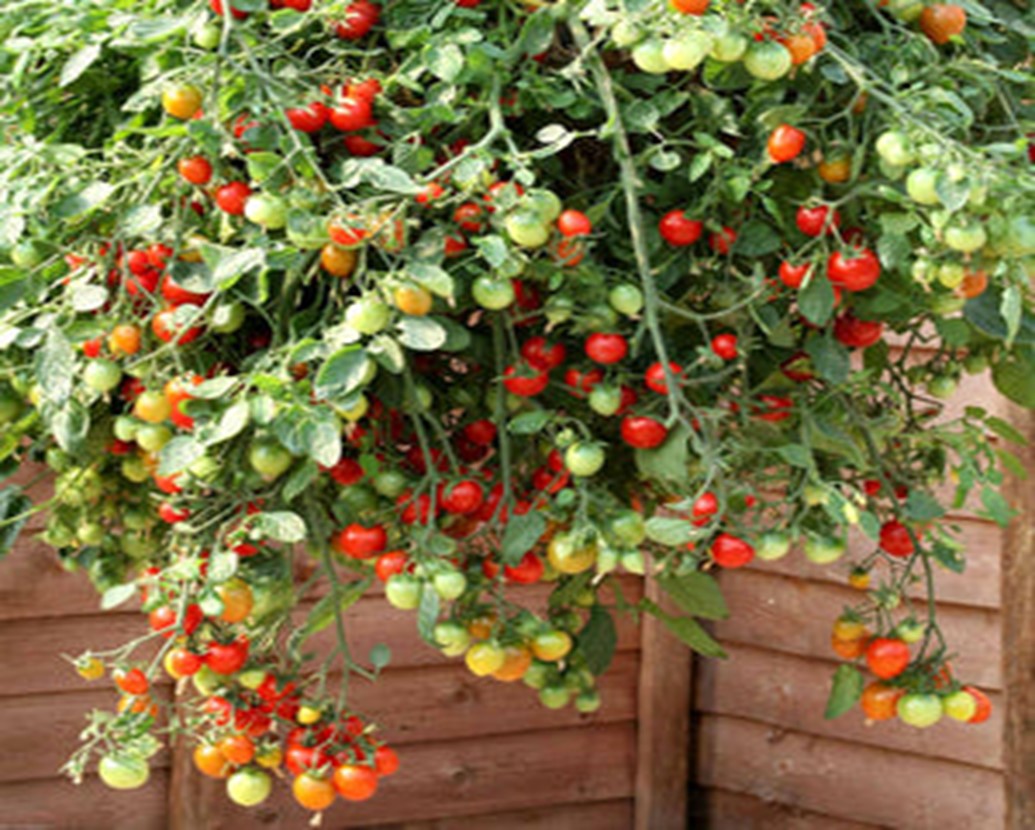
[[190, 793], [1018, 597], [663, 737]]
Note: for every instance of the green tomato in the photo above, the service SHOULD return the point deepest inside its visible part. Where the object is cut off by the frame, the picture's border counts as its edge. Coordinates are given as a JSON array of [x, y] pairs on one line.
[[206, 681], [249, 787], [626, 299], [492, 293], [554, 696], [921, 185], [946, 303], [767, 60], [688, 50], [772, 545], [11, 405], [951, 274], [625, 34], [90, 533], [453, 638], [267, 211], [227, 318], [906, 10], [649, 56], [538, 675], [588, 702], [942, 387], [584, 459], [894, 148], [403, 591], [527, 228], [152, 437], [909, 631], [134, 469], [136, 545], [960, 706], [125, 428], [729, 47], [122, 771], [207, 36], [628, 527], [368, 315], [824, 549], [975, 364], [544, 203], [27, 254], [966, 238], [605, 400], [205, 468], [634, 562], [920, 710], [815, 495], [269, 459], [390, 483], [449, 585], [559, 309], [102, 375]]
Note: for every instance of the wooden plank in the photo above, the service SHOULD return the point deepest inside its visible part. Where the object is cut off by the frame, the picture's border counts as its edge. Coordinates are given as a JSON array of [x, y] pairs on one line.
[[978, 586], [795, 616], [464, 778], [58, 804], [662, 771], [33, 584], [60, 718], [790, 692], [604, 815], [847, 781], [1018, 633], [724, 810]]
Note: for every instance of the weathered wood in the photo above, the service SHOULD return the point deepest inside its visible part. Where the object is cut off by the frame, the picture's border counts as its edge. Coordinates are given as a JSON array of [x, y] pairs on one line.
[[724, 810], [472, 777], [58, 804], [978, 586], [33, 584], [663, 743], [794, 616], [847, 781], [789, 692], [605, 815], [1018, 633]]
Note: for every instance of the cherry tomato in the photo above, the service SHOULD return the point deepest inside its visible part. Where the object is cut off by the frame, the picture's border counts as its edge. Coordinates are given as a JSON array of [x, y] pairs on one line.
[[887, 657], [730, 551], [943, 21], [857, 271], [182, 101], [310, 790], [195, 169], [386, 760], [463, 497], [574, 223], [678, 230], [542, 355], [817, 220], [880, 701], [785, 143], [249, 787], [359, 542], [131, 681], [123, 771], [794, 275], [643, 432], [227, 658], [524, 381], [606, 348], [231, 198], [355, 782], [855, 333], [360, 17], [896, 540], [920, 710], [725, 346], [308, 119], [352, 113]]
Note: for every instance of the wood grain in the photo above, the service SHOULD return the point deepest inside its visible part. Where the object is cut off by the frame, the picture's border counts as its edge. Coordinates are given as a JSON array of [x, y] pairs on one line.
[[605, 815], [846, 780], [724, 810]]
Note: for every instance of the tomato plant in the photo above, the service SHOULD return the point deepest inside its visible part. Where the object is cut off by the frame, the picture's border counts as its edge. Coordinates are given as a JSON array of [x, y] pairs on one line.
[[480, 296]]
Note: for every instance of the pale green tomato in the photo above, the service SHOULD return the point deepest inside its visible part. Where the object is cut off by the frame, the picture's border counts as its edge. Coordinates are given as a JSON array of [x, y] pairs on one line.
[[946, 303], [921, 186], [134, 469], [607, 559], [960, 706], [767, 60], [625, 34], [527, 229], [403, 591], [252, 678], [125, 428], [815, 495], [122, 771], [584, 459], [559, 309], [492, 293], [824, 550], [544, 203], [368, 315], [449, 585], [537, 675], [554, 697], [895, 148], [102, 375], [453, 638], [975, 364], [206, 681], [628, 527], [966, 238], [951, 274], [649, 56], [942, 387], [205, 468], [269, 212], [588, 702], [227, 318], [772, 545], [207, 36], [152, 437], [729, 47], [626, 299], [909, 631], [605, 400], [920, 710], [688, 50], [27, 254], [90, 533], [249, 787]]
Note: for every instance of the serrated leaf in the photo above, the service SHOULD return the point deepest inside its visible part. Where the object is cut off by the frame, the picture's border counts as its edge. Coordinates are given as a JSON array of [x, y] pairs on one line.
[[696, 593], [14, 513], [1005, 430], [78, 63], [342, 373], [670, 461], [281, 525], [845, 691], [522, 533], [116, 595], [830, 359], [687, 629], [816, 300], [598, 640], [179, 454], [427, 612]]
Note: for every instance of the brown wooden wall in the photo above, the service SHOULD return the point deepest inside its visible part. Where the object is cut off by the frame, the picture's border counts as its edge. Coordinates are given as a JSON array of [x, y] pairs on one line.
[[764, 757], [475, 753]]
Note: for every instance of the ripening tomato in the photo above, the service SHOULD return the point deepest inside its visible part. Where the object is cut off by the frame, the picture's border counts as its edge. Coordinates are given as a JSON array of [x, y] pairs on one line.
[[725, 346], [124, 340], [164, 619], [817, 220], [785, 144], [696, 7], [794, 275], [195, 169], [895, 539], [182, 663], [309, 119], [131, 681], [182, 101], [800, 46], [355, 782], [359, 542], [237, 749], [835, 169], [310, 790], [856, 271], [123, 771], [524, 381], [231, 197], [346, 232], [249, 787], [880, 701], [166, 328], [542, 355], [574, 223], [943, 21], [227, 658], [237, 599], [767, 60], [984, 706], [854, 333], [360, 17], [920, 710], [606, 348], [352, 113], [643, 432], [677, 230], [887, 657], [730, 551]]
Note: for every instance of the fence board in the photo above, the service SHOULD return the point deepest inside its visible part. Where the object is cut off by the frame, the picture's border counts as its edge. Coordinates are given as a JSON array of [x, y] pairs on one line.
[[724, 810], [606, 815], [58, 804]]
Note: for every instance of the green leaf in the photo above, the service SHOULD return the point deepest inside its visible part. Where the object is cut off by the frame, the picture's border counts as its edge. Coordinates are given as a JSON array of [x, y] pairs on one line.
[[78, 63], [55, 367], [231, 423], [281, 525], [339, 600], [1016, 380], [117, 594], [997, 507], [262, 165], [830, 359], [230, 264], [142, 220], [816, 300], [179, 454], [670, 461], [985, 314], [89, 198], [1011, 307], [669, 531], [12, 504], [301, 477], [598, 640], [521, 535], [445, 62], [342, 373], [845, 691], [797, 455], [696, 593], [537, 33], [529, 423], [70, 425], [1005, 430], [380, 656], [923, 507], [757, 238], [433, 278], [422, 334], [1012, 464], [949, 556], [321, 438], [687, 629]]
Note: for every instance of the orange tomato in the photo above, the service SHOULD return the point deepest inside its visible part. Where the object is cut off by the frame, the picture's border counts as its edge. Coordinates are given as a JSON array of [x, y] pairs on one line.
[[879, 701], [413, 300], [848, 649], [516, 660], [354, 782], [124, 340], [237, 600], [237, 749], [182, 101], [974, 284], [210, 761], [802, 47], [835, 170], [312, 792], [338, 261]]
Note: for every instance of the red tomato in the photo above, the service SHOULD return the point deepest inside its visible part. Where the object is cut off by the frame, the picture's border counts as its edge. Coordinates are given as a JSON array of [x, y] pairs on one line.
[[606, 348], [481, 432], [887, 657], [574, 223], [654, 377], [775, 408], [359, 542], [706, 506], [785, 143], [463, 497], [895, 539], [347, 472], [354, 782], [163, 619], [360, 18], [230, 198], [352, 113], [817, 220], [183, 663], [166, 329], [525, 381], [218, 8], [730, 551], [855, 333], [308, 119], [386, 761], [227, 658], [131, 681], [583, 381], [676, 229], [175, 295], [855, 272], [195, 170], [725, 346], [527, 572], [391, 563], [722, 242], [542, 355], [171, 515], [469, 217], [643, 432]]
